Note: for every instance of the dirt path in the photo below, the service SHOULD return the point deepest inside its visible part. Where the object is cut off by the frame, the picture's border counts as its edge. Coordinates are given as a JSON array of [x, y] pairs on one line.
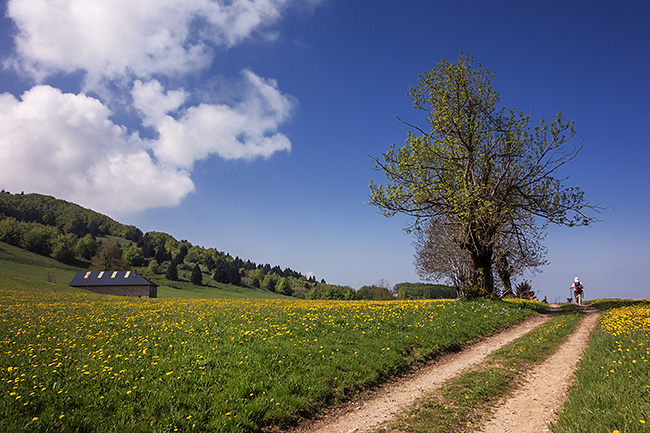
[[532, 407], [367, 413]]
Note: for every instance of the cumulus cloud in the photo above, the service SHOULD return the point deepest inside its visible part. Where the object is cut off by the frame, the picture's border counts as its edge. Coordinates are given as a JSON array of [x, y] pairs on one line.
[[246, 130], [65, 145], [109, 39]]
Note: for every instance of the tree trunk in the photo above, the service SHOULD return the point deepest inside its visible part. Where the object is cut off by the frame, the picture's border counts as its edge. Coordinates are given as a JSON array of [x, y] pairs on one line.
[[503, 269], [482, 281]]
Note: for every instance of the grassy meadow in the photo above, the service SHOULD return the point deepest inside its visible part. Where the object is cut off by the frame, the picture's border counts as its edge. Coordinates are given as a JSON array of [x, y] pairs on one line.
[[218, 360], [612, 387], [77, 361]]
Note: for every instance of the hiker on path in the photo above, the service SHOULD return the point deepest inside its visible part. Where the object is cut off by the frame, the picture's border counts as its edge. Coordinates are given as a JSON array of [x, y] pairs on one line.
[[577, 290]]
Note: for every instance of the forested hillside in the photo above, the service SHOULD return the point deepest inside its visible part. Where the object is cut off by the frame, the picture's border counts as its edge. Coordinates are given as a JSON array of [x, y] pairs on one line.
[[75, 235], [68, 217]]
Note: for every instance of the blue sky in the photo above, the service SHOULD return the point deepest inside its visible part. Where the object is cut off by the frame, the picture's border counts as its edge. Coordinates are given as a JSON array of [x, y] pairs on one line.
[[248, 125]]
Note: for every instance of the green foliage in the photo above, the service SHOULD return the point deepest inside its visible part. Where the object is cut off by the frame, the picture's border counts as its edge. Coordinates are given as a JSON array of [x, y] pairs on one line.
[[108, 258], [134, 257], [11, 231], [373, 293], [270, 282], [425, 291], [172, 272], [64, 248], [87, 247], [524, 290], [197, 275], [65, 216], [331, 292], [154, 268], [284, 288]]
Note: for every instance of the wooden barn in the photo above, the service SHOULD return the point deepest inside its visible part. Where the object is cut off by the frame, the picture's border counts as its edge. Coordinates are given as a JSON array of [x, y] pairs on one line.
[[119, 283]]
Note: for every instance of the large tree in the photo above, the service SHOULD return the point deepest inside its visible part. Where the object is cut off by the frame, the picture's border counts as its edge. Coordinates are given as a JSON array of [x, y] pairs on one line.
[[478, 166]]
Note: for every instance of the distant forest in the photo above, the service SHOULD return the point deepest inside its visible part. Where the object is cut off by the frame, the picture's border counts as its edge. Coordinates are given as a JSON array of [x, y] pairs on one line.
[[75, 235]]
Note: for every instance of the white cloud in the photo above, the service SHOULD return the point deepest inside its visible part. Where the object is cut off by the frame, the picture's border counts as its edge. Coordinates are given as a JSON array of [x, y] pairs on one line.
[[111, 39], [246, 130], [66, 145]]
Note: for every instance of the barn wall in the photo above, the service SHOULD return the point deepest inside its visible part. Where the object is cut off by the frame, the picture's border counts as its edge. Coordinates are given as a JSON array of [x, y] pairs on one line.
[[134, 291]]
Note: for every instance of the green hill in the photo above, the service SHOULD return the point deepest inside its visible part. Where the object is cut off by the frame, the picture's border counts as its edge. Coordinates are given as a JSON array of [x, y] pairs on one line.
[[54, 237], [73, 236], [22, 270]]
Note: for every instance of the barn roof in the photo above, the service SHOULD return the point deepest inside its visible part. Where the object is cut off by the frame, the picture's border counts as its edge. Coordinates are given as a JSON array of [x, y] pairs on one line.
[[109, 278]]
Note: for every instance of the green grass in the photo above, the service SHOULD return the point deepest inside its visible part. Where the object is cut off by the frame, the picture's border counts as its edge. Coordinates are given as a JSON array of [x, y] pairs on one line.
[[186, 290], [465, 401], [210, 289], [612, 387], [77, 361], [22, 270]]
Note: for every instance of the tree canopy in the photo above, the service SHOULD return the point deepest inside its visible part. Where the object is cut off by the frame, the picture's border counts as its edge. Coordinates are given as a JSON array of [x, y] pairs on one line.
[[483, 169]]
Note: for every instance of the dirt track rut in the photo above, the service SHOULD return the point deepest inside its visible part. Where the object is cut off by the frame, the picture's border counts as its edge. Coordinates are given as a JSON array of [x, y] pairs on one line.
[[366, 414], [536, 404]]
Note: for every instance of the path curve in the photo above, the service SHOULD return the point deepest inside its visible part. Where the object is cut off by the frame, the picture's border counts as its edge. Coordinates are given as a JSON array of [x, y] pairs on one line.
[[535, 405], [366, 413]]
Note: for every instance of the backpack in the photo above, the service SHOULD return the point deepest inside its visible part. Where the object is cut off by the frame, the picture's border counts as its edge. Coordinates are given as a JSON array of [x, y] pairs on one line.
[[578, 287]]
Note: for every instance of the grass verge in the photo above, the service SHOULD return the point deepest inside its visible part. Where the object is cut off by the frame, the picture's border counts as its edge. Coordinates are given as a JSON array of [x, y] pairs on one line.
[[463, 402], [611, 392]]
